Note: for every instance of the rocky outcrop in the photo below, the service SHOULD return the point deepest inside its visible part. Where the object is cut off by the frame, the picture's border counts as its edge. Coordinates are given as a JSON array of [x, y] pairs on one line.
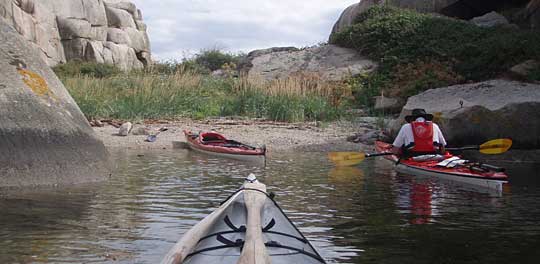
[[388, 105], [491, 19], [103, 31], [45, 139], [533, 13], [524, 69], [474, 113], [329, 62], [37, 24], [463, 9], [347, 17]]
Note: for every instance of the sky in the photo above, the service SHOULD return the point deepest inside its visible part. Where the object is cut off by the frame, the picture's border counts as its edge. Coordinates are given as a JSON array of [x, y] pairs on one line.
[[181, 28]]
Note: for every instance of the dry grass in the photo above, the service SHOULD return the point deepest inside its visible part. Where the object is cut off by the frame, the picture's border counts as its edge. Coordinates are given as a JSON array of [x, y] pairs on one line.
[[187, 94]]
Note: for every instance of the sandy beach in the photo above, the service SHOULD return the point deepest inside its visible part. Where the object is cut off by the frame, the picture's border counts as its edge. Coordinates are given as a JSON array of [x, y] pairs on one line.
[[277, 136]]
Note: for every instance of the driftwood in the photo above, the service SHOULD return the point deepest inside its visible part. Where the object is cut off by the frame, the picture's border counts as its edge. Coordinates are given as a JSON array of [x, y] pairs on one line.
[[219, 122]]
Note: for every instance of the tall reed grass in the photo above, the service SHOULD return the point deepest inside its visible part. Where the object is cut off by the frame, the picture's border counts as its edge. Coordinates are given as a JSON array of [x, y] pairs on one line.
[[151, 95]]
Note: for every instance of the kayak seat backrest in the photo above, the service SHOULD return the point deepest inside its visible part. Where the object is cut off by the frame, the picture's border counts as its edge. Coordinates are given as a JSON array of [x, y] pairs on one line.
[[211, 137]]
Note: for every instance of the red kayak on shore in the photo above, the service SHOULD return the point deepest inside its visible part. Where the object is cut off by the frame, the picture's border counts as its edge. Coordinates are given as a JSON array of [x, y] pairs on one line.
[[449, 167], [213, 143]]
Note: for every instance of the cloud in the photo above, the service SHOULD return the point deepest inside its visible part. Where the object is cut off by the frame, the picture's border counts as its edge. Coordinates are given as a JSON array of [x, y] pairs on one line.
[[180, 27]]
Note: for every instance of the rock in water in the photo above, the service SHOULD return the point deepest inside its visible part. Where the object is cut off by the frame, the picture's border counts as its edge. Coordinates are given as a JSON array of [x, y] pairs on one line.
[[124, 129], [474, 113], [44, 137]]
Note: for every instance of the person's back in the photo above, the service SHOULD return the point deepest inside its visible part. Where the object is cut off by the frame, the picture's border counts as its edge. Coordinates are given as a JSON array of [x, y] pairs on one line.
[[419, 136]]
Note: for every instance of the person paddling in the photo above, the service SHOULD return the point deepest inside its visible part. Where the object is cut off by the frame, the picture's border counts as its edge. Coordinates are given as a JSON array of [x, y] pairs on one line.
[[419, 136]]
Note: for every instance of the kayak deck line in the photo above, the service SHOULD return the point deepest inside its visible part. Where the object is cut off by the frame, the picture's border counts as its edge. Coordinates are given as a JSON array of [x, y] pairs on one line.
[[249, 227]]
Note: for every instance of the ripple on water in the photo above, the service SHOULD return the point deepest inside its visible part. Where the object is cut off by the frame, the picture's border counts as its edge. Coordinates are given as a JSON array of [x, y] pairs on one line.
[[366, 214]]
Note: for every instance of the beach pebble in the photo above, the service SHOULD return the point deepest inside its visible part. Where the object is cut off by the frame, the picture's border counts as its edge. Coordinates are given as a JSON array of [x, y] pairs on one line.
[[125, 128], [140, 131]]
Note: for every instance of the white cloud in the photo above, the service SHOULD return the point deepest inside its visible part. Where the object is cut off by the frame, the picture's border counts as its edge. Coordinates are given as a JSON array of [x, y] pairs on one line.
[[177, 27]]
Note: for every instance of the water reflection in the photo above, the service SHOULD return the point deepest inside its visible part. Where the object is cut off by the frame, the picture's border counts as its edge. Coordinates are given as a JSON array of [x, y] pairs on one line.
[[347, 175], [365, 214]]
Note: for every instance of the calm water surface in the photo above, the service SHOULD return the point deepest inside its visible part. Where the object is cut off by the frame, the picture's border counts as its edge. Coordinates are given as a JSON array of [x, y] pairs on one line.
[[367, 214]]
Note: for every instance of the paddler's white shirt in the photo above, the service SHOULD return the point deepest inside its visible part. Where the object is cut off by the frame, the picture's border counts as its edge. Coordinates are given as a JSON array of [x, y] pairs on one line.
[[406, 137]]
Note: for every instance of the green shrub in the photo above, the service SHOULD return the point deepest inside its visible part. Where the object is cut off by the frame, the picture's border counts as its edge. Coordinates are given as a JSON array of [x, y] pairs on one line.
[[421, 51], [90, 69], [213, 59]]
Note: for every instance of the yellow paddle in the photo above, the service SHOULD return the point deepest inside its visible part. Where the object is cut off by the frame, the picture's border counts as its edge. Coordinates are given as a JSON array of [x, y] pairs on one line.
[[495, 146], [351, 158]]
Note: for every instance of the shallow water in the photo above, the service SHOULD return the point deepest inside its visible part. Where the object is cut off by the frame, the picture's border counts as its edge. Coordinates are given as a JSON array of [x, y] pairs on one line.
[[366, 214]]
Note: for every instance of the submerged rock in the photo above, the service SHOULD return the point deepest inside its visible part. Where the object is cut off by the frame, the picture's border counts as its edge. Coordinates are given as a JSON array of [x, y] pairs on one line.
[[44, 137], [474, 113]]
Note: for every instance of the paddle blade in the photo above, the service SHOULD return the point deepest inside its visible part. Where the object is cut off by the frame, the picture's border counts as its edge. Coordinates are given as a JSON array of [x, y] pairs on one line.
[[346, 158], [496, 146]]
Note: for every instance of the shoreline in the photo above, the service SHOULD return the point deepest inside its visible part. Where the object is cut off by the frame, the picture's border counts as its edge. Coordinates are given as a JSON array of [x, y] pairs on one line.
[[277, 136]]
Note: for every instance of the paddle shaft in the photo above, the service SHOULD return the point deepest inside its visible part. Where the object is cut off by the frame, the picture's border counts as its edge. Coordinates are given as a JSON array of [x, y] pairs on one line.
[[379, 154], [464, 148]]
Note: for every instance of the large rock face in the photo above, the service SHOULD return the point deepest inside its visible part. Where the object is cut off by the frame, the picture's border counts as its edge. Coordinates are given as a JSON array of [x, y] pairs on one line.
[[44, 137], [474, 113], [103, 31], [329, 62]]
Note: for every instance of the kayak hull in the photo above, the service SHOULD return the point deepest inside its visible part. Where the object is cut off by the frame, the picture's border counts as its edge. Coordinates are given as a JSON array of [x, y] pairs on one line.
[[225, 236], [485, 179], [496, 185], [220, 149]]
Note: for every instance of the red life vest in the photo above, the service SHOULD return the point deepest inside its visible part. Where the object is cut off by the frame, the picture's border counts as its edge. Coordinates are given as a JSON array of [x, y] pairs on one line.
[[423, 137]]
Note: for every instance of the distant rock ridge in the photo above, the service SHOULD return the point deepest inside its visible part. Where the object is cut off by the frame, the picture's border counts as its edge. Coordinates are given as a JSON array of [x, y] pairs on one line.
[[326, 62], [102, 31]]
